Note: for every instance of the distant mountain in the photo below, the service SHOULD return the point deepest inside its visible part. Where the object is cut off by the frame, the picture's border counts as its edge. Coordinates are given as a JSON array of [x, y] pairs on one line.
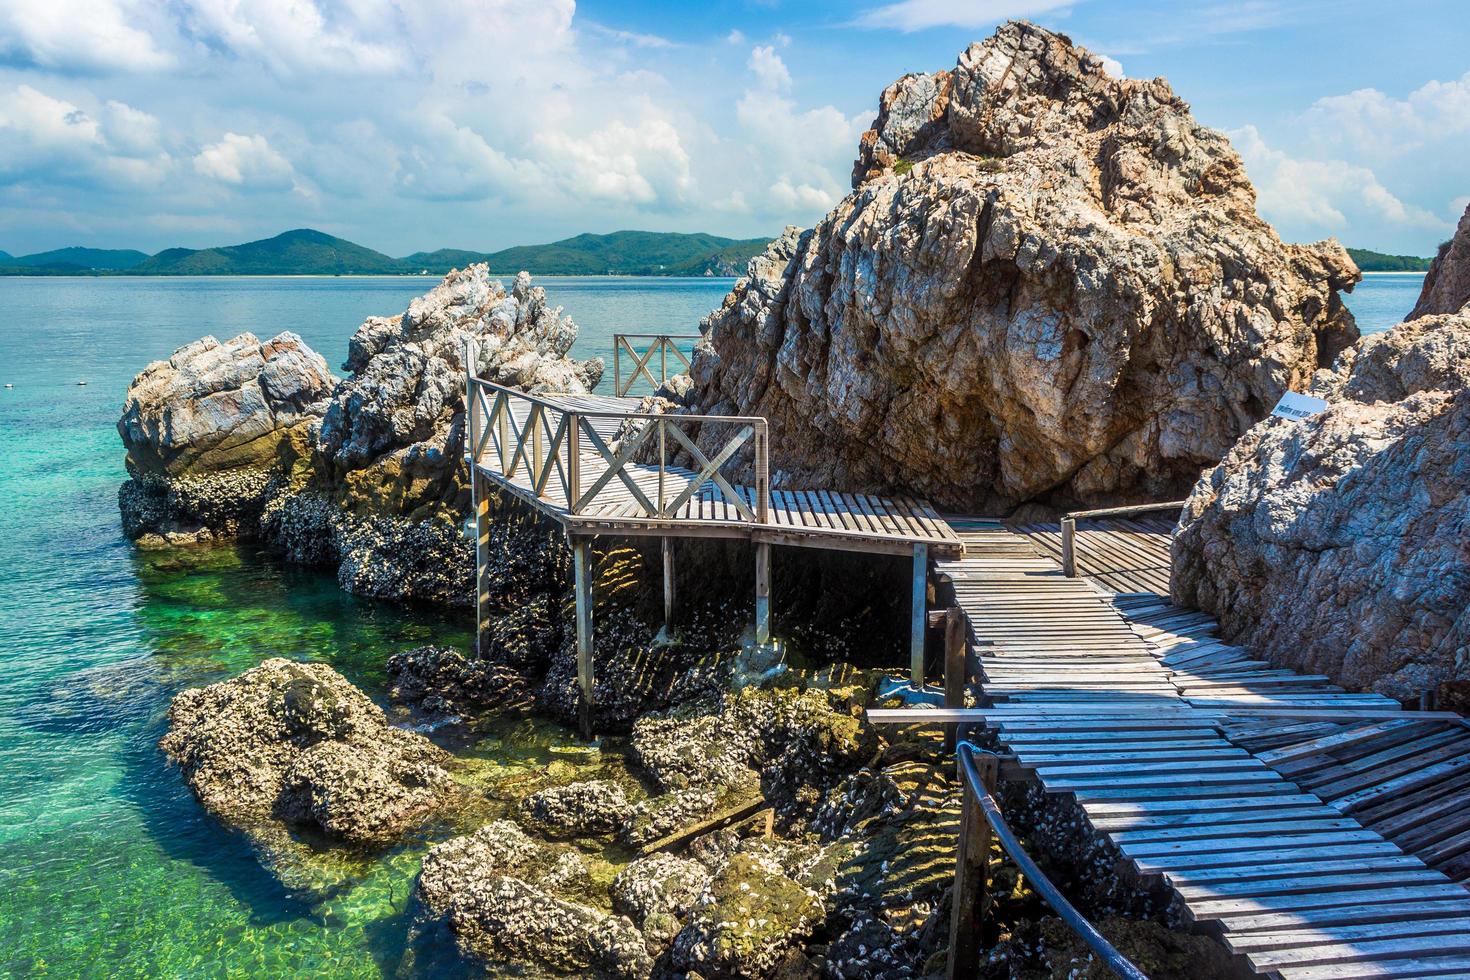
[[305, 251], [79, 258], [5, 257], [302, 252], [1371, 261]]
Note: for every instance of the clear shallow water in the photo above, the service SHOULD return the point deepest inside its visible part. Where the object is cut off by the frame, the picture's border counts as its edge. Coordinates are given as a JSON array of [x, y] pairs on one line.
[[107, 866]]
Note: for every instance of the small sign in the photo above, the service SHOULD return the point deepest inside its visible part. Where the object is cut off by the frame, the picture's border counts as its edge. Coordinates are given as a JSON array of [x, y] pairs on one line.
[[1297, 407]]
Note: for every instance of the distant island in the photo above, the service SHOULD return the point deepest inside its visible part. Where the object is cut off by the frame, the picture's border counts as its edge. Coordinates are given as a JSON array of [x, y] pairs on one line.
[[1371, 261], [307, 252]]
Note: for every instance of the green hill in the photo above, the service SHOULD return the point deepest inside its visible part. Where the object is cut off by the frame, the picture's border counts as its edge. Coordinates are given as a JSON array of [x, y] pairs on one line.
[[1371, 261], [80, 259], [308, 252], [302, 252], [630, 253]]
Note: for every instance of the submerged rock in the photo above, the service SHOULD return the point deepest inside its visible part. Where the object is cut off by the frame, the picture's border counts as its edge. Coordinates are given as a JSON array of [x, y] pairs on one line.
[[211, 431], [1047, 283], [1339, 544], [289, 748], [490, 889], [443, 685], [1447, 284]]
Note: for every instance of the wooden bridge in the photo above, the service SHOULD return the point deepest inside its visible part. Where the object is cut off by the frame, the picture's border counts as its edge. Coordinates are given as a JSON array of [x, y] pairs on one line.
[[602, 465], [1317, 833]]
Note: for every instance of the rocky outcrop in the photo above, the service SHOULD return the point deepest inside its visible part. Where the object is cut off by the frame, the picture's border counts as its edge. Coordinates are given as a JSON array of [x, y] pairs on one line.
[[495, 891], [443, 686], [210, 431], [1447, 284], [365, 474], [1341, 544], [290, 748], [1047, 283]]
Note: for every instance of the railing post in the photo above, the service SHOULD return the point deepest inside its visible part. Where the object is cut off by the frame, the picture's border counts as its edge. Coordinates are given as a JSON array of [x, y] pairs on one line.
[[663, 455], [618, 365], [574, 461], [762, 474], [971, 895], [1069, 546], [954, 669], [471, 403], [663, 359]]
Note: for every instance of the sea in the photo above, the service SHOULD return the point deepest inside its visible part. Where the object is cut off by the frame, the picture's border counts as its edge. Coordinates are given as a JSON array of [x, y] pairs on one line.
[[108, 868]]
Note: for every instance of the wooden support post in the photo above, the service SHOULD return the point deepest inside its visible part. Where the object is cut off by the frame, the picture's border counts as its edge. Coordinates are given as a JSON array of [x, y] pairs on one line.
[[954, 668], [479, 496], [1069, 547], [574, 460], [971, 896], [668, 585], [581, 547], [762, 592], [917, 618]]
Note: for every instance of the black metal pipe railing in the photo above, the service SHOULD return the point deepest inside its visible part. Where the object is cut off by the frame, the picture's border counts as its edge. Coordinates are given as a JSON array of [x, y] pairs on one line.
[[980, 786]]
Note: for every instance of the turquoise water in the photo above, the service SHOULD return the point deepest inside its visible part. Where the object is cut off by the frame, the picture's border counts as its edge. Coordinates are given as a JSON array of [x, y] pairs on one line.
[[1384, 298], [107, 866]]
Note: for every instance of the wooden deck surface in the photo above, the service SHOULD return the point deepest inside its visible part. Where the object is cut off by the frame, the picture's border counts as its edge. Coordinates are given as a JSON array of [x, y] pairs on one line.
[[811, 518], [1315, 848]]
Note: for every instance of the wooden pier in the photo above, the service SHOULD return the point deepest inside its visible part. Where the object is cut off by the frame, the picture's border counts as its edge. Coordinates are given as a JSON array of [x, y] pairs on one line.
[[598, 465], [1317, 833]]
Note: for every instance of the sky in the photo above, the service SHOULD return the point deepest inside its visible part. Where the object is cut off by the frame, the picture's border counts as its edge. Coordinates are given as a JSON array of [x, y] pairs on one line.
[[418, 124]]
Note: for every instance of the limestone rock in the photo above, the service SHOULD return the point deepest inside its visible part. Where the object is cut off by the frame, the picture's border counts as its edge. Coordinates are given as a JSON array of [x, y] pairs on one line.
[[209, 429], [289, 747], [1447, 284], [1341, 544], [1047, 283]]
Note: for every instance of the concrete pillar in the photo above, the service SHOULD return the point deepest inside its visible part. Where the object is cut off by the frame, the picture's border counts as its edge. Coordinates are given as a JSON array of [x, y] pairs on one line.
[[582, 561], [917, 621], [762, 592]]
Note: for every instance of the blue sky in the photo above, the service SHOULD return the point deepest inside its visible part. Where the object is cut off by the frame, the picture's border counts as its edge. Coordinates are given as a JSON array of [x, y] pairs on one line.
[[487, 123]]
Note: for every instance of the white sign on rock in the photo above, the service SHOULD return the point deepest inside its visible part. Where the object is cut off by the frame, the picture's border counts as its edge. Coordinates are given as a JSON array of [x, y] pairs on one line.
[[1297, 407]]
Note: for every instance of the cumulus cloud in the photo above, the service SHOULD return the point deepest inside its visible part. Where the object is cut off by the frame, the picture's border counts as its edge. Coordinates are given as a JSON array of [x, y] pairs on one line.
[[1371, 122], [917, 15], [50, 139], [244, 161], [80, 35], [769, 68], [1315, 198]]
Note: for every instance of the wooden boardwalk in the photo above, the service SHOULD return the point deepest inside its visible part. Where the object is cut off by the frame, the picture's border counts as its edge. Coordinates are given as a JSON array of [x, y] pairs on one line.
[[1265, 800]]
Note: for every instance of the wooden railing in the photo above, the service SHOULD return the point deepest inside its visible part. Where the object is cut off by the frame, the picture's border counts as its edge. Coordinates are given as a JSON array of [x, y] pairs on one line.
[[554, 450], [659, 345], [1069, 526]]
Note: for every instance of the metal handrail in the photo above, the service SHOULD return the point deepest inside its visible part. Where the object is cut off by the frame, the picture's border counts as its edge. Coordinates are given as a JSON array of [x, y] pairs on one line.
[[1069, 526], [1096, 941], [552, 437], [663, 344]]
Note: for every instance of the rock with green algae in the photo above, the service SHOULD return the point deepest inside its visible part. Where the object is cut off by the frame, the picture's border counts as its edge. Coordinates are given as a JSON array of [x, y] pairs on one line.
[[747, 921], [658, 891], [1160, 952], [496, 892]]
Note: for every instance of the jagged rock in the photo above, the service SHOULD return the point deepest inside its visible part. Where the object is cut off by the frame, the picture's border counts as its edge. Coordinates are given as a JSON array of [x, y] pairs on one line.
[[589, 807], [658, 891], [365, 474], [1047, 283], [288, 747], [209, 431], [490, 889], [443, 684], [1447, 284], [659, 816], [1339, 544]]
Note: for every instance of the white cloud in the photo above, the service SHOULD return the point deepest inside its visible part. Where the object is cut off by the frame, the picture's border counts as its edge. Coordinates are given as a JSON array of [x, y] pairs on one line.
[[769, 68], [80, 35], [736, 36], [1372, 122], [916, 15], [244, 161], [1315, 198], [642, 164], [1112, 66], [296, 36], [49, 139]]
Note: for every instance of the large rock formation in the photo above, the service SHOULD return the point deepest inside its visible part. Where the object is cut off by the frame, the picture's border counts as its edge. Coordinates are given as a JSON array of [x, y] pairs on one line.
[[1341, 544], [1447, 284], [210, 431], [365, 474], [1047, 282], [290, 748]]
